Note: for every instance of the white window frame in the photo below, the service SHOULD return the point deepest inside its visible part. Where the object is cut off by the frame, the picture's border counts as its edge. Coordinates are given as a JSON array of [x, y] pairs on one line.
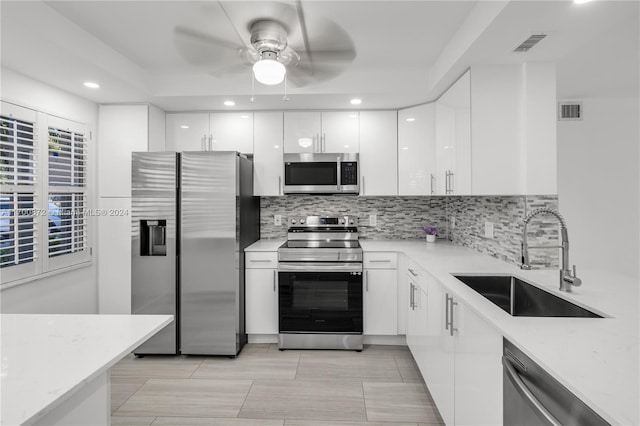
[[43, 265]]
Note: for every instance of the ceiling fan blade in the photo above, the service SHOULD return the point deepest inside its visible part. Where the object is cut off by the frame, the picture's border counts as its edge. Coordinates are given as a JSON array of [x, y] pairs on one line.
[[240, 68], [197, 36], [200, 48], [303, 74]]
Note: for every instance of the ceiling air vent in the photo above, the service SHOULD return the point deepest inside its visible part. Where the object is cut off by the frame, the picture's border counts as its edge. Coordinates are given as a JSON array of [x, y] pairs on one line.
[[569, 111], [531, 41]]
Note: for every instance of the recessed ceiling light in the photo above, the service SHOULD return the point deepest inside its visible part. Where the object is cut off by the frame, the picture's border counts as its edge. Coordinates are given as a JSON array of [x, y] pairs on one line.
[[353, 115], [184, 126], [405, 147], [244, 116], [91, 85], [276, 146], [356, 101], [346, 146], [581, 1], [229, 103], [411, 119]]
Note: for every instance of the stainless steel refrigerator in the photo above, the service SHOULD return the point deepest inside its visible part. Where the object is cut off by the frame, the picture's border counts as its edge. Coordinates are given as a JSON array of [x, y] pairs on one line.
[[193, 214]]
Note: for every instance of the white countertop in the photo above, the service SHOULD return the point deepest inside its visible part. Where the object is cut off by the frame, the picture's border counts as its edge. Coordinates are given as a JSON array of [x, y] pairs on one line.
[[597, 359], [265, 245], [47, 358]]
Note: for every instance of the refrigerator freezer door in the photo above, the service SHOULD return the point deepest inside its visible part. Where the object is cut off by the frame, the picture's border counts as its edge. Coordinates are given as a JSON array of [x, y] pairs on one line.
[[209, 264], [153, 243]]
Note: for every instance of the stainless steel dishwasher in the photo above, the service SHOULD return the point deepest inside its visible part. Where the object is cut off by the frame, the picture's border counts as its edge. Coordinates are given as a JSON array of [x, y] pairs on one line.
[[532, 397]]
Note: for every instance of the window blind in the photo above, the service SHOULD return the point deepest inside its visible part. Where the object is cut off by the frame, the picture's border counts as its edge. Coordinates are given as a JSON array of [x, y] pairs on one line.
[[18, 172]]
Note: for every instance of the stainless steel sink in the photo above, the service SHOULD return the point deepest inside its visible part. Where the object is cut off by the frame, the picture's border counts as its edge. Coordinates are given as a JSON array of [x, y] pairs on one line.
[[521, 299]]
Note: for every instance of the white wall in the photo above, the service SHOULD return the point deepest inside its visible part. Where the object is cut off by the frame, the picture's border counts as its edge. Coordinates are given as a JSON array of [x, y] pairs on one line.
[[598, 184], [69, 292]]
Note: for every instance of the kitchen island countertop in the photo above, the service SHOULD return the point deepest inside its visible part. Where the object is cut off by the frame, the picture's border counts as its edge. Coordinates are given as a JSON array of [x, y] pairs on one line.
[[47, 359]]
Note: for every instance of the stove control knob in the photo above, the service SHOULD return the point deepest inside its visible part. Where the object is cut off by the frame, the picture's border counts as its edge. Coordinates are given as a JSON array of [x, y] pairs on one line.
[[301, 221], [293, 221], [341, 221], [351, 222]]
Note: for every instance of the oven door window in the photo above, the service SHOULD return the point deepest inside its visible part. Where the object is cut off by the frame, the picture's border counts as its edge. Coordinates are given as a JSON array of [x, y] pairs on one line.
[[315, 173], [324, 302]]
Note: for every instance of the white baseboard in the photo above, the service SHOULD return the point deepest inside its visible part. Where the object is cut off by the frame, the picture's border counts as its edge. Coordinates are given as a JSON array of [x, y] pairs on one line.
[[385, 340], [262, 338]]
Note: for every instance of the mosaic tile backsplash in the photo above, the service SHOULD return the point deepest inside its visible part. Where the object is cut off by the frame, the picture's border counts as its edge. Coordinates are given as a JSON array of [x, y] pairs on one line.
[[404, 218]]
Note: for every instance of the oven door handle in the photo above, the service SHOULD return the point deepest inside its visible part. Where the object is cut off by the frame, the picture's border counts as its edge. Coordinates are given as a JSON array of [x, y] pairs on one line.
[[320, 267]]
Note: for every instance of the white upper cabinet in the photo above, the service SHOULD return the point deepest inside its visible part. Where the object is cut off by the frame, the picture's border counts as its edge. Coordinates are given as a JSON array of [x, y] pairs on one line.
[[416, 150], [231, 131], [340, 131], [220, 131], [268, 153], [513, 127], [378, 153], [321, 132], [187, 132], [302, 131], [453, 140]]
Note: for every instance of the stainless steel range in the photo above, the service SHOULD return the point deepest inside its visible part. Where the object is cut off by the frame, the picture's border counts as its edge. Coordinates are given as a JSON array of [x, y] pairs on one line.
[[320, 285]]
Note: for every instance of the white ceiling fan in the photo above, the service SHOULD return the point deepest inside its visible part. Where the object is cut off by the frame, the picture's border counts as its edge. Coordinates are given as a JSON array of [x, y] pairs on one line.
[[324, 49]]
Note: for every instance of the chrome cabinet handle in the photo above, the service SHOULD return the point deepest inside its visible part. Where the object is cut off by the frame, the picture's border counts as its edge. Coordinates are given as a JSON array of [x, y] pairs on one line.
[[259, 260], [452, 303], [380, 261], [274, 280], [446, 312], [203, 143], [433, 178], [362, 179], [279, 185], [411, 297], [523, 390], [412, 272], [324, 142], [210, 142], [366, 281]]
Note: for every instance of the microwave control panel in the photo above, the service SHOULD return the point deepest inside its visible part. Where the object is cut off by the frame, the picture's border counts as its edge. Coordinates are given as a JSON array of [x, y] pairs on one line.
[[349, 173]]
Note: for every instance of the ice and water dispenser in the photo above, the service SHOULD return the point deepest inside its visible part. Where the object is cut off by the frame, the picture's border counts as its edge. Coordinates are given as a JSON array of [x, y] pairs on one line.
[[153, 237]]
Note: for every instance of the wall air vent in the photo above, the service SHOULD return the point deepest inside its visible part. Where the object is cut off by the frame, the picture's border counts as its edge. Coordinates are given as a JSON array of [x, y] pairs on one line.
[[531, 41], [569, 111]]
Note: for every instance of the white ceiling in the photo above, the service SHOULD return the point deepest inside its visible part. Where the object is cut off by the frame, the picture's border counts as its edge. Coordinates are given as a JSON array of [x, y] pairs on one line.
[[407, 52]]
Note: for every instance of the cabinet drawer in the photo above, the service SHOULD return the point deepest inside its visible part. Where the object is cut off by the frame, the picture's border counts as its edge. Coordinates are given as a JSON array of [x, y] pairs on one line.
[[261, 260], [380, 260]]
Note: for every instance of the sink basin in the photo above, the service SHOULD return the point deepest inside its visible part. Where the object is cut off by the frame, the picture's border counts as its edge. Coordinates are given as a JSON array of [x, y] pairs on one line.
[[521, 299]]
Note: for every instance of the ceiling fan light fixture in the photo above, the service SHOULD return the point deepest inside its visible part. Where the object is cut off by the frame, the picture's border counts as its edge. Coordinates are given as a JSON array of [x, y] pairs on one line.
[[269, 71]]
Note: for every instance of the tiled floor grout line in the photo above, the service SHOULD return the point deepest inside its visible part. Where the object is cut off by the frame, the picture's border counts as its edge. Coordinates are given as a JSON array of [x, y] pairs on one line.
[[245, 399], [364, 400], [130, 396]]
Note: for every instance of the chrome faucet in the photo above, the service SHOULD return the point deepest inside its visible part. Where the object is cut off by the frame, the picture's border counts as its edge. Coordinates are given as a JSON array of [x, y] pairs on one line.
[[567, 277]]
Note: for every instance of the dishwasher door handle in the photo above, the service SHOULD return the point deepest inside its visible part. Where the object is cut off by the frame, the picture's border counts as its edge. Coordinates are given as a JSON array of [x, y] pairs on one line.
[[523, 390]]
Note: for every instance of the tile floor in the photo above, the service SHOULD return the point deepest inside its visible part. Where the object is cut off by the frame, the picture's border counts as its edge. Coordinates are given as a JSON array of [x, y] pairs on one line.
[[264, 386]]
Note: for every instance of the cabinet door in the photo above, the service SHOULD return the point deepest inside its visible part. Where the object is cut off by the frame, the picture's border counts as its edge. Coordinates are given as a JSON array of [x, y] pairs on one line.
[[187, 132], [416, 149], [417, 318], [340, 132], [302, 132], [267, 153], [261, 301], [438, 371], [380, 302], [478, 369], [453, 139], [379, 153], [232, 131], [445, 145]]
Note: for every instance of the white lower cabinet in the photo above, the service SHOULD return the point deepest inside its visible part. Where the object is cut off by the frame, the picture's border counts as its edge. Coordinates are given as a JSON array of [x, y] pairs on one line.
[[380, 302], [261, 294], [458, 354], [380, 293]]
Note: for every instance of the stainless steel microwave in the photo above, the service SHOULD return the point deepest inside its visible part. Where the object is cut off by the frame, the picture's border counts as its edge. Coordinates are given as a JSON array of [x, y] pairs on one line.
[[311, 173]]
